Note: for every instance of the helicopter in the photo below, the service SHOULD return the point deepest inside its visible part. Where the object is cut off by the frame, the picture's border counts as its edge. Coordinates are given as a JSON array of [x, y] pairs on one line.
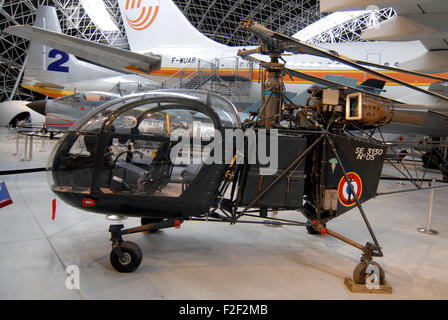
[[154, 155]]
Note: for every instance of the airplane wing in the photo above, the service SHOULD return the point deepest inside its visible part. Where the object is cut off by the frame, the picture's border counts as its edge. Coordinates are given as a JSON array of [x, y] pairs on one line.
[[424, 20], [100, 54], [401, 6]]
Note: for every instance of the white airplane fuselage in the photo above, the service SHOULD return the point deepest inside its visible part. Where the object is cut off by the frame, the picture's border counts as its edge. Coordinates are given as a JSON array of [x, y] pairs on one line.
[[190, 59], [183, 50]]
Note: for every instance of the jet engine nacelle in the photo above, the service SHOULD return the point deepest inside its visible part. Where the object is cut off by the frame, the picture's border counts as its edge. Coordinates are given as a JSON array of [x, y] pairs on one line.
[[13, 112]]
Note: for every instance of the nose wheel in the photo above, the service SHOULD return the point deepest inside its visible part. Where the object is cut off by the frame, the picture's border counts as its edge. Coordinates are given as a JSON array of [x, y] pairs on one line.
[[129, 259], [126, 256]]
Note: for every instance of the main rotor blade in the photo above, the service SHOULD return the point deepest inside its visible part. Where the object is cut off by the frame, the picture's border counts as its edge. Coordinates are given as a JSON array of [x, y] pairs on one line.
[[414, 73], [330, 83], [299, 47], [439, 113], [311, 78]]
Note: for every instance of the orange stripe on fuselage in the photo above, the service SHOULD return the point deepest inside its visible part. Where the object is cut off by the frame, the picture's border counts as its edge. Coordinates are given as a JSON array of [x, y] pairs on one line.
[[358, 75], [134, 69]]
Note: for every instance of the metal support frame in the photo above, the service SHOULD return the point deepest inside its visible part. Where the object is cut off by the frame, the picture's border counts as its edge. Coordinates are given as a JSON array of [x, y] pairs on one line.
[[369, 250]]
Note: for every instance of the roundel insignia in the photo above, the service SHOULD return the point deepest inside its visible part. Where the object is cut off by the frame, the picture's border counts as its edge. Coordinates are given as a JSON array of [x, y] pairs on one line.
[[140, 14], [346, 198]]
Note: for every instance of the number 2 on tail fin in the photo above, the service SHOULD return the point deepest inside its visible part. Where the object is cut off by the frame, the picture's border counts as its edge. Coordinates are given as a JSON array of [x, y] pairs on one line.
[[58, 64]]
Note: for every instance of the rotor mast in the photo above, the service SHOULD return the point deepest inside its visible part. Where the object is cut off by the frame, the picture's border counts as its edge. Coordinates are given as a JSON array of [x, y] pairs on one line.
[[269, 114]]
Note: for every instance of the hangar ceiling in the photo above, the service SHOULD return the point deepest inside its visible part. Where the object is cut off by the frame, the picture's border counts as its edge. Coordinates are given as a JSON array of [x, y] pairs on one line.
[[218, 20]]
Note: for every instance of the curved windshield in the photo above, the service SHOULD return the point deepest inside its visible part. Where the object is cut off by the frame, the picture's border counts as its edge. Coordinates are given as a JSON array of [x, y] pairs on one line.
[[153, 144]]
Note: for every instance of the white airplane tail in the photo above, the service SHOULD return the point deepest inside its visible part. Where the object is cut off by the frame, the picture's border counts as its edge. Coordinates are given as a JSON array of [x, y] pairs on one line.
[[45, 64], [153, 24], [49, 68]]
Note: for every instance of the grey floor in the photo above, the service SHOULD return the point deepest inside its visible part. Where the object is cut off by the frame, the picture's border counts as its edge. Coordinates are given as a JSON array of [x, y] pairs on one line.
[[212, 260]]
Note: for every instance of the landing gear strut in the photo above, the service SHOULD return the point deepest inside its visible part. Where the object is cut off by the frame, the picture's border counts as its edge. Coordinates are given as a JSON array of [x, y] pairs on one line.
[[126, 256], [367, 267]]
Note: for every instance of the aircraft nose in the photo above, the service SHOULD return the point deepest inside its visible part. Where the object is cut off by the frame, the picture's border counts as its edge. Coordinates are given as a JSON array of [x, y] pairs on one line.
[[38, 106]]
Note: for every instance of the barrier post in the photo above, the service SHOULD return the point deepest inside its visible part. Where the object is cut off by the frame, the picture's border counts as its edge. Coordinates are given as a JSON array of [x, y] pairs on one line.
[[31, 148], [25, 153], [17, 143], [427, 229]]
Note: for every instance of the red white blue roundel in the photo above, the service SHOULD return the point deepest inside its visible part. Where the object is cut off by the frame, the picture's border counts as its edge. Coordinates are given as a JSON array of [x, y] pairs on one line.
[[346, 198]]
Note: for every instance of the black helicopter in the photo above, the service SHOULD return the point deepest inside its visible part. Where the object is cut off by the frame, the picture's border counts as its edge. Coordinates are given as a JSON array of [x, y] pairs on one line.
[[123, 157]]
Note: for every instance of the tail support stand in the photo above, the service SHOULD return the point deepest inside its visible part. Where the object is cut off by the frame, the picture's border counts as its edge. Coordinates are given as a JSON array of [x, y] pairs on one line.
[[368, 276]]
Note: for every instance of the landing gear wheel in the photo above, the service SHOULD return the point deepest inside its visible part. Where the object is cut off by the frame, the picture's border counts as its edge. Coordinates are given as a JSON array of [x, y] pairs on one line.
[[132, 257], [359, 274], [145, 220]]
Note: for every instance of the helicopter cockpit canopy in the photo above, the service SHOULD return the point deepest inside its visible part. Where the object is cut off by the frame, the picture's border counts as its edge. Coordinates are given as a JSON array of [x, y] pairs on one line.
[[129, 147]]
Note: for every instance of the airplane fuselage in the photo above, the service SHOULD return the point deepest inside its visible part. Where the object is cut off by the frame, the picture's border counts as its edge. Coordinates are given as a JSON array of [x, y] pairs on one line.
[[179, 63]]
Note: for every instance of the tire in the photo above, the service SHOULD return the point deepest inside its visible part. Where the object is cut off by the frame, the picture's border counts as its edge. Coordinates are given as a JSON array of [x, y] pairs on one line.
[[133, 257], [359, 274]]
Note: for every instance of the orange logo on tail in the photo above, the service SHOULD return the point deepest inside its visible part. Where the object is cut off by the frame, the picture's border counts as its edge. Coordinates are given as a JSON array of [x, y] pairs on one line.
[[145, 14]]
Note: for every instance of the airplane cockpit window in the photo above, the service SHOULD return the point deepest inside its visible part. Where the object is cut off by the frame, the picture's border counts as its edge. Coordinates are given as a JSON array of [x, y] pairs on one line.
[[97, 97], [71, 99]]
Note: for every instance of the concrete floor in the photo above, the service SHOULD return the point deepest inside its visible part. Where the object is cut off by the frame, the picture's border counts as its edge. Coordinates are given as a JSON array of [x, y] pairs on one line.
[[212, 260]]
